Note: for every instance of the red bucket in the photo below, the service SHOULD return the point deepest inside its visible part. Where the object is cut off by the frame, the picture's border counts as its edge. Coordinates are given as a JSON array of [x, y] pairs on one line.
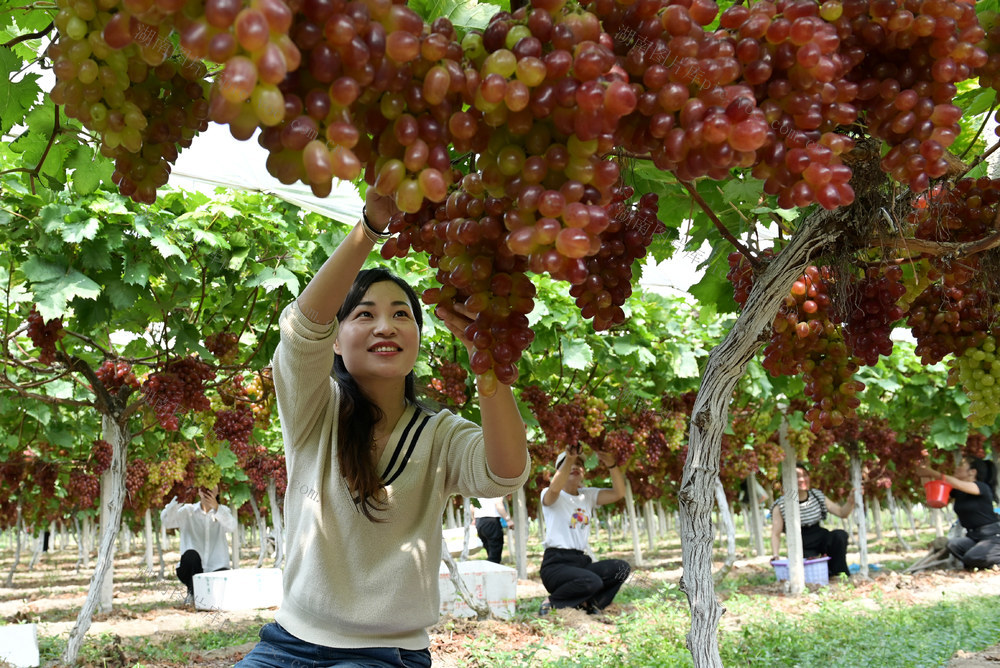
[[937, 493]]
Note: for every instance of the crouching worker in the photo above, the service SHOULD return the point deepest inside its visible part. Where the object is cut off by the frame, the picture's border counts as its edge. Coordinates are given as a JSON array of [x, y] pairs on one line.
[[571, 577], [203, 526], [972, 490], [816, 539]]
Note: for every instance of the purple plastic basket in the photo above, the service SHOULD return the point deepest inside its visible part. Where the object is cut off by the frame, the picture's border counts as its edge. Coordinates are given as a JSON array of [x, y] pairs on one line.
[[816, 571]]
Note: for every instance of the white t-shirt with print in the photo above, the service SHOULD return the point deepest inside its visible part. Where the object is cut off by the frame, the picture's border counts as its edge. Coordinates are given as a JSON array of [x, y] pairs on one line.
[[567, 521]]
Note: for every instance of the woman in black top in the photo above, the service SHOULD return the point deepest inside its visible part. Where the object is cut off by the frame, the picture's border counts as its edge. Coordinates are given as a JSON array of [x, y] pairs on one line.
[[973, 488]]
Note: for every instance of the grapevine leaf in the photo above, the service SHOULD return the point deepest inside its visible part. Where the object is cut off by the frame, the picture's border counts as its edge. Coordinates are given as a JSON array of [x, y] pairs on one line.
[[238, 494], [269, 279], [16, 97], [53, 217], [53, 296], [713, 289], [74, 233], [137, 274], [225, 459], [39, 411], [743, 190], [464, 14], [39, 271], [948, 431], [684, 362], [89, 171], [624, 347], [122, 296], [577, 354]]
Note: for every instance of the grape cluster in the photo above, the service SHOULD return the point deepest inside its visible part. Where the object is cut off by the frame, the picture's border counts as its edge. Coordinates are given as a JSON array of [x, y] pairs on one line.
[[909, 58], [975, 444], [562, 424], [224, 345], [111, 75], [101, 454], [179, 388], [964, 212], [207, 474], [620, 444], [136, 474], [609, 273], [165, 474], [235, 426], [164, 392], [978, 370], [44, 335], [84, 488], [790, 53], [258, 468], [595, 412], [252, 42], [872, 311], [115, 375], [450, 388], [461, 236], [948, 320], [805, 340], [172, 100]]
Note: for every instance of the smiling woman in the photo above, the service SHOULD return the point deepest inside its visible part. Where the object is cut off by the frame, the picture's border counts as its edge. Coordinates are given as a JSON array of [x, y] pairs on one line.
[[361, 581]]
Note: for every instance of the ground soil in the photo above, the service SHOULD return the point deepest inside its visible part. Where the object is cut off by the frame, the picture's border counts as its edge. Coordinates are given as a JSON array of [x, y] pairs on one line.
[[145, 608]]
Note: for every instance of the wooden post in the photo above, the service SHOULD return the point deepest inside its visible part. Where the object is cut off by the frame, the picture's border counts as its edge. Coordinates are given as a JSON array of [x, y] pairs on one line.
[[630, 508], [521, 532], [877, 518], [859, 514], [756, 517], [791, 516], [894, 516]]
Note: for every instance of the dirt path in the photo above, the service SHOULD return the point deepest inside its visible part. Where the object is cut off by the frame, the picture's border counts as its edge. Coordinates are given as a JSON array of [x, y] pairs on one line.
[[52, 595]]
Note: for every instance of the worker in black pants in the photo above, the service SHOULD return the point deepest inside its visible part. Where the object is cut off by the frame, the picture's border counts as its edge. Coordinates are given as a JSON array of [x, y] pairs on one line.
[[571, 577], [492, 521]]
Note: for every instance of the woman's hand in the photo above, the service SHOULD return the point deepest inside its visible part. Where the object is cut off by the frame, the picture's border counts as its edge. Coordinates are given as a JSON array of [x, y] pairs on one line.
[[927, 472], [457, 318], [380, 208], [208, 501], [606, 458]]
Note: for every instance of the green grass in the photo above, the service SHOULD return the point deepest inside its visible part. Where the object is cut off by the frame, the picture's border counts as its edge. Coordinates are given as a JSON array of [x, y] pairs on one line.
[[840, 633], [177, 647]]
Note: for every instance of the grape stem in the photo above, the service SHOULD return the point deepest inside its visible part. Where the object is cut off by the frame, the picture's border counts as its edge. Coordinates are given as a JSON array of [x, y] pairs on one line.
[[978, 161], [718, 224], [31, 35], [33, 173], [939, 248], [105, 401], [55, 401], [86, 339], [982, 126]]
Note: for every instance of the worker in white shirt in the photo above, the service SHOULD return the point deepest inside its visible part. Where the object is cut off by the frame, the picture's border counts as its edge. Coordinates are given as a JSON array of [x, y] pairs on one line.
[[492, 519], [203, 526]]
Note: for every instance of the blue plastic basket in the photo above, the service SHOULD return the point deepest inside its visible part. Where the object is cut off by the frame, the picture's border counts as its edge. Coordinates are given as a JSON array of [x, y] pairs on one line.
[[816, 571]]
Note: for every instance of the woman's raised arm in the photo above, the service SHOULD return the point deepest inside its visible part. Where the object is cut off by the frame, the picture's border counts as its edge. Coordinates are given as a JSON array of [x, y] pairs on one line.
[[325, 293]]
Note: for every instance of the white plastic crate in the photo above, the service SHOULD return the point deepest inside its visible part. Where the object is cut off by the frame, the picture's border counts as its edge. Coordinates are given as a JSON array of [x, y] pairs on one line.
[[19, 645], [455, 538], [495, 583], [816, 571], [240, 589]]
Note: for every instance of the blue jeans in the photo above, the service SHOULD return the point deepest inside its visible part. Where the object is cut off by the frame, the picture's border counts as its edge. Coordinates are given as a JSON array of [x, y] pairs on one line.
[[280, 649]]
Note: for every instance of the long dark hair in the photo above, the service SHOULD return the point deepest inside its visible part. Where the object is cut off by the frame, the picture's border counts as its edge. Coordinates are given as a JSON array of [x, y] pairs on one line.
[[358, 414], [986, 471]]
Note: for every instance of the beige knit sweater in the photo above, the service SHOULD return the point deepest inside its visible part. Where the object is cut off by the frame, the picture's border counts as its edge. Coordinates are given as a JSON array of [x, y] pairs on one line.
[[349, 582]]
